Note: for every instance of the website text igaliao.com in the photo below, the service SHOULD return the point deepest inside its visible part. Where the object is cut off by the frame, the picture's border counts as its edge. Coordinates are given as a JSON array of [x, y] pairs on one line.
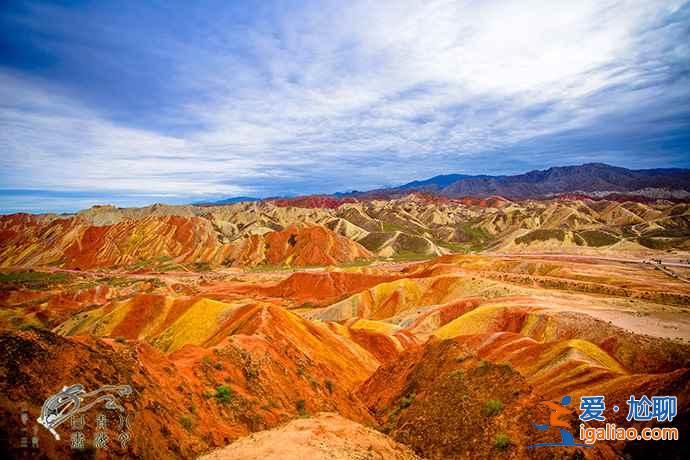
[[611, 432]]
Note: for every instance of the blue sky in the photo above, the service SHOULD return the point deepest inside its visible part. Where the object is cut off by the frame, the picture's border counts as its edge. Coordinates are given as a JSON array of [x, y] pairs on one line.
[[132, 103]]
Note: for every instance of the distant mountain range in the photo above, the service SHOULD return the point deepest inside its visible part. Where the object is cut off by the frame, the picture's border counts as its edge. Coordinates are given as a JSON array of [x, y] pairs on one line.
[[587, 178], [590, 178]]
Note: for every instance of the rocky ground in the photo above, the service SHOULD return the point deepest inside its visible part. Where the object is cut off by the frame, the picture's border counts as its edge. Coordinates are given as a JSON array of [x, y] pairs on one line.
[[278, 233], [321, 348]]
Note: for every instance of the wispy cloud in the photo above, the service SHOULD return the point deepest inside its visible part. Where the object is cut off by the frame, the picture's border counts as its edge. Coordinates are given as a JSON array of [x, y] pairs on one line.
[[308, 97]]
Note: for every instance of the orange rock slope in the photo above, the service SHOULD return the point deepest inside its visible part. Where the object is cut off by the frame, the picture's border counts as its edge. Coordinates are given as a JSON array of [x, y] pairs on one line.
[[219, 380], [296, 245], [451, 357], [150, 241]]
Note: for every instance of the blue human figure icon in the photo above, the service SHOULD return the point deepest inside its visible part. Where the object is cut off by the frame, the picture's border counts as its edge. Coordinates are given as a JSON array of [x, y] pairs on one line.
[[558, 411]]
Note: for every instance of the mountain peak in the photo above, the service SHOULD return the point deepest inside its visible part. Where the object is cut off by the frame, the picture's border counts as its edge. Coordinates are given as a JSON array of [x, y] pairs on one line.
[[588, 177]]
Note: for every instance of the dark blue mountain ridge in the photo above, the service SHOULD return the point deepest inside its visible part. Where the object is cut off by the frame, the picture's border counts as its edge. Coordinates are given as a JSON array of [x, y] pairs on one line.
[[585, 178], [589, 177]]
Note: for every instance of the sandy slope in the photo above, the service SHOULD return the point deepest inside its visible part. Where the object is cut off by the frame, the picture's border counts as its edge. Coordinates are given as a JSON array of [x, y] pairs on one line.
[[325, 436]]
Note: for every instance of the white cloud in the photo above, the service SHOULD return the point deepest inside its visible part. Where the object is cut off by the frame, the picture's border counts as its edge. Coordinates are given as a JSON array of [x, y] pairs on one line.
[[370, 82], [50, 142], [354, 70]]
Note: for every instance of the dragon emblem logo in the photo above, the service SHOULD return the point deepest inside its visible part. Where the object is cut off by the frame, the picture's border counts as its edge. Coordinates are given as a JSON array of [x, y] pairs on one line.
[[73, 400]]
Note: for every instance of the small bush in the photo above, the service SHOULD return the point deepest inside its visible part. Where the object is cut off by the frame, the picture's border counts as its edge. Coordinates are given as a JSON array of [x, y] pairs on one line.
[[218, 366], [223, 394], [300, 406], [493, 407], [502, 441], [406, 401], [329, 385], [250, 372], [206, 361], [457, 374], [186, 422], [461, 358], [120, 339]]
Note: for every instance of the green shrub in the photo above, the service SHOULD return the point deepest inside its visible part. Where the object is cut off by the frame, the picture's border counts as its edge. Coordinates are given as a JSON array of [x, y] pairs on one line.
[[458, 374], [407, 401], [120, 339], [502, 441], [301, 409], [250, 372], [186, 422], [223, 394], [493, 407]]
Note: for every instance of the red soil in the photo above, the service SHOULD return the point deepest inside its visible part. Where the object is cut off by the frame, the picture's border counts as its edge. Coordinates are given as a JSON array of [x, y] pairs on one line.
[[297, 245], [449, 311], [489, 202], [73, 243], [432, 398], [141, 314], [317, 288], [313, 201]]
